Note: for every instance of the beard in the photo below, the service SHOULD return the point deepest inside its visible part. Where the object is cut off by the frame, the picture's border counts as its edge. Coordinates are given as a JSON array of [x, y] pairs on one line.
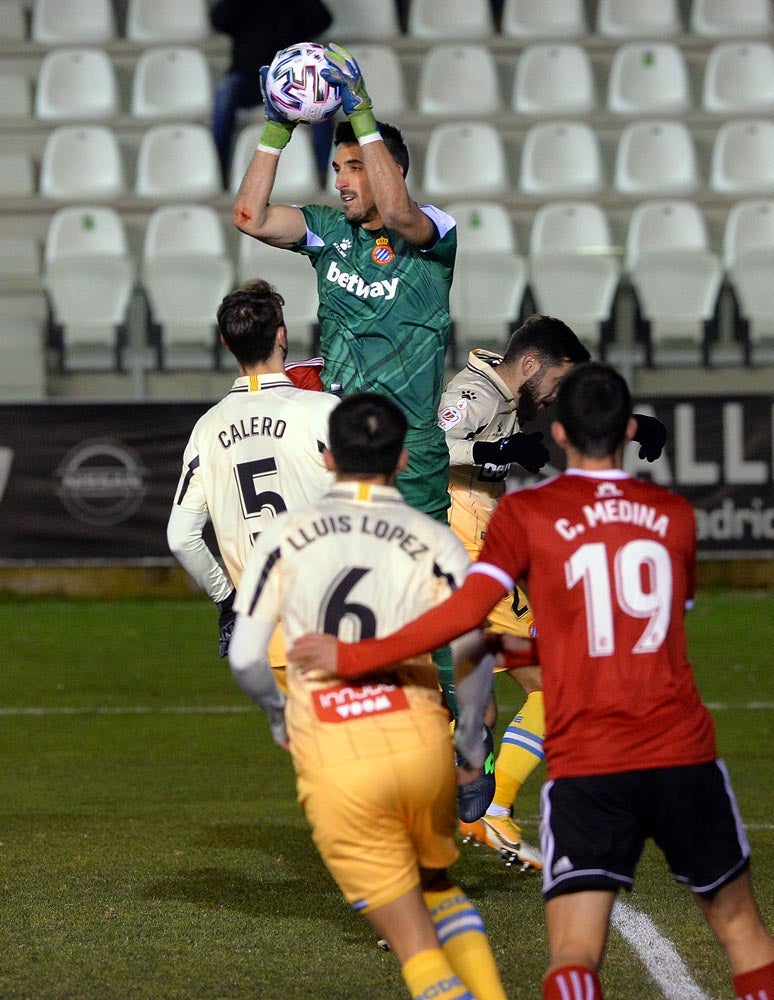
[[527, 407]]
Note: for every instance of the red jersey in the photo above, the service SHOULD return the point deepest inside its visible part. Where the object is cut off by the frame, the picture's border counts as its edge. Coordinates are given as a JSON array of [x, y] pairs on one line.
[[610, 566], [306, 374]]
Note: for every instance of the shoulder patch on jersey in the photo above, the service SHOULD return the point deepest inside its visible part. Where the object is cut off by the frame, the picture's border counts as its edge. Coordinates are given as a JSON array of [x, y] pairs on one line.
[[449, 417]]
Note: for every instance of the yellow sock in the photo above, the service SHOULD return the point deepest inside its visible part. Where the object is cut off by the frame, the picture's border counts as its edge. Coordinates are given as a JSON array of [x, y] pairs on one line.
[[521, 750], [428, 973], [465, 944]]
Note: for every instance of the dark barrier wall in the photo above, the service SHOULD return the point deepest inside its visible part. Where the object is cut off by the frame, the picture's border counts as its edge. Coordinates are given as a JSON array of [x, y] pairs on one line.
[[95, 482]]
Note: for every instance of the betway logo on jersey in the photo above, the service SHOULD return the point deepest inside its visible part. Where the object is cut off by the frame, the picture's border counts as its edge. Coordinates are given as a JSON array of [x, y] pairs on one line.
[[355, 285], [340, 704]]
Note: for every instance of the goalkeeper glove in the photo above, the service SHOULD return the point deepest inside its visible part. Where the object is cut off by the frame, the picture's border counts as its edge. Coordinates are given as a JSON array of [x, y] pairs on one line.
[[276, 133], [474, 799], [343, 71], [226, 623], [651, 435], [526, 449]]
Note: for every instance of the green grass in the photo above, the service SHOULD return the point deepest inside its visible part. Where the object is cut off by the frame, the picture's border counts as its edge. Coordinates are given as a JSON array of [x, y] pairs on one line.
[[161, 853]]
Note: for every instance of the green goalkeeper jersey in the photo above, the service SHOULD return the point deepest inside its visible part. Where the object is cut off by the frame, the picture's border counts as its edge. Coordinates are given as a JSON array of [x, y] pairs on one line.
[[384, 308]]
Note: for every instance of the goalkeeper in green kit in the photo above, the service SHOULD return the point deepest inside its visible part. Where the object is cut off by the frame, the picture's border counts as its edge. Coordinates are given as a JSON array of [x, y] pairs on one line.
[[384, 269]]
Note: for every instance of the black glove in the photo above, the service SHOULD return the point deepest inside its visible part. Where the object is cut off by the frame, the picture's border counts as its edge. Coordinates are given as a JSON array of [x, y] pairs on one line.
[[651, 436], [226, 623], [526, 449]]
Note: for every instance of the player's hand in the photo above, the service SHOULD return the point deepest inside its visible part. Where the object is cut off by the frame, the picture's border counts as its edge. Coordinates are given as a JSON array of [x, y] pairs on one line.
[[343, 71], [651, 435], [226, 622], [315, 651], [527, 450], [278, 129]]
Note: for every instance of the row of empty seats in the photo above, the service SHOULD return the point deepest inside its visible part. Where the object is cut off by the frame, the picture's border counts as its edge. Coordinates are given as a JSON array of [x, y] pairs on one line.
[[56, 22], [572, 269], [548, 79], [178, 161]]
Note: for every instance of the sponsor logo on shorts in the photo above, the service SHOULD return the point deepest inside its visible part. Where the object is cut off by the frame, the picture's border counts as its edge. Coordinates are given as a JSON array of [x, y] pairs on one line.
[[382, 253], [562, 865], [342, 704]]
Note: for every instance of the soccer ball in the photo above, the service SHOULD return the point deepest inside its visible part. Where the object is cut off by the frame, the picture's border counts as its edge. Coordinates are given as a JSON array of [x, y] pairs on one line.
[[296, 88]]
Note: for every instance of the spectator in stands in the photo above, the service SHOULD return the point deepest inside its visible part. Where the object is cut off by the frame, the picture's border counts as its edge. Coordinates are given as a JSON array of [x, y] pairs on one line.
[[257, 32]]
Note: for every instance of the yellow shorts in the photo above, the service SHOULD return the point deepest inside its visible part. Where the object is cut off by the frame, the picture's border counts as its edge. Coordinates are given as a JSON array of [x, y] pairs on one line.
[[378, 820]]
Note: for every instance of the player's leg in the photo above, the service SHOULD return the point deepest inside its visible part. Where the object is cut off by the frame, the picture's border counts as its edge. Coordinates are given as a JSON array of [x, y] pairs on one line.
[[462, 935], [406, 924], [577, 925], [735, 919]]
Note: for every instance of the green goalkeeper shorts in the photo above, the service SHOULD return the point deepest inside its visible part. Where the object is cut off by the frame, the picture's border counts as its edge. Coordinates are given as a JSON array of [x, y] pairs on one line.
[[425, 483]]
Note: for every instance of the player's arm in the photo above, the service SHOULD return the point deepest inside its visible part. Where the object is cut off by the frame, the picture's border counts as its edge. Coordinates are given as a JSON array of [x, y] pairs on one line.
[[464, 611], [251, 670], [185, 537], [396, 207], [278, 225]]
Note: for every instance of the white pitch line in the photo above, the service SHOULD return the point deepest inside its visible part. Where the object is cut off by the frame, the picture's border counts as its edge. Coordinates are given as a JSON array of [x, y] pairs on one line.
[[657, 954]]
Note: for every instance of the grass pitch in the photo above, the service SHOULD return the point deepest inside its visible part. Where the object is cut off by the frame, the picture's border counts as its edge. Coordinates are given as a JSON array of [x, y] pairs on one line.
[[151, 845]]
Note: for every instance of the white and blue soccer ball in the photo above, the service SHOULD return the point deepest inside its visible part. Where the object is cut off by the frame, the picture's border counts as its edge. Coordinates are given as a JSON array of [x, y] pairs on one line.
[[295, 85]]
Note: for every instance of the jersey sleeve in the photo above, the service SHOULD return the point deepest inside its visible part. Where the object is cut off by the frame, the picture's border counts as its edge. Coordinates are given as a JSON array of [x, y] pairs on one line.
[[306, 374], [259, 590], [190, 491], [460, 424], [444, 249], [321, 221], [505, 553]]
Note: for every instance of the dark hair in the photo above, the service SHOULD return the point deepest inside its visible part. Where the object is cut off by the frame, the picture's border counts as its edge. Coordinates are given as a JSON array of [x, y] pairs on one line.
[[367, 432], [594, 405], [391, 135], [551, 340], [248, 320]]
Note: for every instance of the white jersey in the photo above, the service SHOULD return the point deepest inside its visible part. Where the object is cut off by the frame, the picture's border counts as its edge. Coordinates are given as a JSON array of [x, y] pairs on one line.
[[253, 455], [359, 564], [476, 405]]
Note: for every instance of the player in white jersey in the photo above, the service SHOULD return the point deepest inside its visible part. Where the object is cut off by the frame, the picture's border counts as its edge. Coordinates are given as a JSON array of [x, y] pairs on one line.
[[374, 762], [255, 453]]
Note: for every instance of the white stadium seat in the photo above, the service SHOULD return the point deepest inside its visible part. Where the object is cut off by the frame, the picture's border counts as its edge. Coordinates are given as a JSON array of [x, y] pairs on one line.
[[561, 159], [458, 80], [89, 275], [156, 22], [354, 20], [482, 225], [186, 272], [293, 275], [486, 294], [178, 161], [73, 22], [748, 253], [465, 159], [76, 83], [727, 18], [574, 269], [386, 80], [172, 82], [739, 78], [743, 158], [648, 78], [674, 273], [532, 19], [296, 179], [554, 78], [656, 158], [82, 162], [638, 18], [464, 19]]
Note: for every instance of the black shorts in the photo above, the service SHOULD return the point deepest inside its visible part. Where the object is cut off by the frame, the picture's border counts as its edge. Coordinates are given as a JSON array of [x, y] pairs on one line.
[[593, 829]]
